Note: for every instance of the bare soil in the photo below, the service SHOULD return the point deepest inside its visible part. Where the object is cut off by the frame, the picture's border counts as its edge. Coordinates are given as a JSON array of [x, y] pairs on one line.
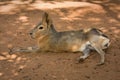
[[18, 17]]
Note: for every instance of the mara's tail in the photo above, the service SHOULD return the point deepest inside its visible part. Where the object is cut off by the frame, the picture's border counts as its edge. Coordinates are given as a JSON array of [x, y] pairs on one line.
[[105, 41]]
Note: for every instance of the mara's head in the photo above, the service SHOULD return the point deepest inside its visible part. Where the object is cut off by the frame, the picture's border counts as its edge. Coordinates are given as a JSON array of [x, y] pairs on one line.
[[43, 28]]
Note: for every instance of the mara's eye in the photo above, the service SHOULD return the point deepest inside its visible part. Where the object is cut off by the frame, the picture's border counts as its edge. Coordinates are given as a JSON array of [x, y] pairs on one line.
[[40, 27]]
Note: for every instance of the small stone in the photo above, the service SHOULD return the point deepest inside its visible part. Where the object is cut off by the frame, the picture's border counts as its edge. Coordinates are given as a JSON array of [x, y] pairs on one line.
[[88, 77]]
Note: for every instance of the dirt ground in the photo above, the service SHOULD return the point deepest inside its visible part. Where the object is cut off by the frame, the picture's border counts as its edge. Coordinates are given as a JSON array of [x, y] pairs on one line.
[[18, 17]]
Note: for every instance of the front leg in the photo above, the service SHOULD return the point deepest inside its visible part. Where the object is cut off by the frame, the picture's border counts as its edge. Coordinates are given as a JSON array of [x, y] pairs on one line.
[[27, 50], [86, 53]]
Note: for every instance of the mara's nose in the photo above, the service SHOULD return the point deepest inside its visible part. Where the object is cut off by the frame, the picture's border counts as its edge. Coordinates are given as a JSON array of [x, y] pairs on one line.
[[30, 33]]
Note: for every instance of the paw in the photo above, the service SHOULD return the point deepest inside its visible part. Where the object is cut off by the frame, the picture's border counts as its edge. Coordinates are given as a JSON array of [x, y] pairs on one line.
[[13, 50], [101, 63], [10, 51], [80, 60]]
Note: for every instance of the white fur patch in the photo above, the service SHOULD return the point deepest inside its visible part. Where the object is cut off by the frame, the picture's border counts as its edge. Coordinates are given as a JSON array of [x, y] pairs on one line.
[[82, 48], [106, 41]]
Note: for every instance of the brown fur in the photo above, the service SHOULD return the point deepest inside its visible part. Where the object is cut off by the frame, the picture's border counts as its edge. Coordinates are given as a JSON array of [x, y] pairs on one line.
[[71, 41]]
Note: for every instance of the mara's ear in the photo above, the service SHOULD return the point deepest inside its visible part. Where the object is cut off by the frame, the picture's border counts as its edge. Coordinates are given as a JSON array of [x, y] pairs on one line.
[[46, 20]]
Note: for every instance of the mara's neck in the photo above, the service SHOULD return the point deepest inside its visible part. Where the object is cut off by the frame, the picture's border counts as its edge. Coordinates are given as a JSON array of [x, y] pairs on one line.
[[52, 29]]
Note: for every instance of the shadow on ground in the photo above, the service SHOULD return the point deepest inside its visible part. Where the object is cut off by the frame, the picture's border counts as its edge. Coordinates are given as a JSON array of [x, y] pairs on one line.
[[18, 17]]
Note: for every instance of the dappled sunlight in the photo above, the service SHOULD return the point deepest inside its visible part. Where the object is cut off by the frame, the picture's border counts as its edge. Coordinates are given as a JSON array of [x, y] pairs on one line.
[[119, 16], [16, 6], [1, 74], [2, 58], [9, 32], [53, 5], [19, 2], [10, 58], [9, 45], [112, 31], [100, 1], [117, 31], [111, 7], [23, 18], [18, 17], [22, 66], [11, 7], [14, 61], [6, 9], [94, 19], [70, 19], [113, 20]]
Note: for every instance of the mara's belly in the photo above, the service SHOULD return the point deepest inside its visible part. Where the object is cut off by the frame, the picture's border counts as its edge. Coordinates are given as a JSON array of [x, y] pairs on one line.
[[69, 47], [79, 47]]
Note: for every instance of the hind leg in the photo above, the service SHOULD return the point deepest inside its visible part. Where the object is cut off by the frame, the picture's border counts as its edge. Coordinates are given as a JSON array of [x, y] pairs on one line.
[[85, 55], [101, 53]]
